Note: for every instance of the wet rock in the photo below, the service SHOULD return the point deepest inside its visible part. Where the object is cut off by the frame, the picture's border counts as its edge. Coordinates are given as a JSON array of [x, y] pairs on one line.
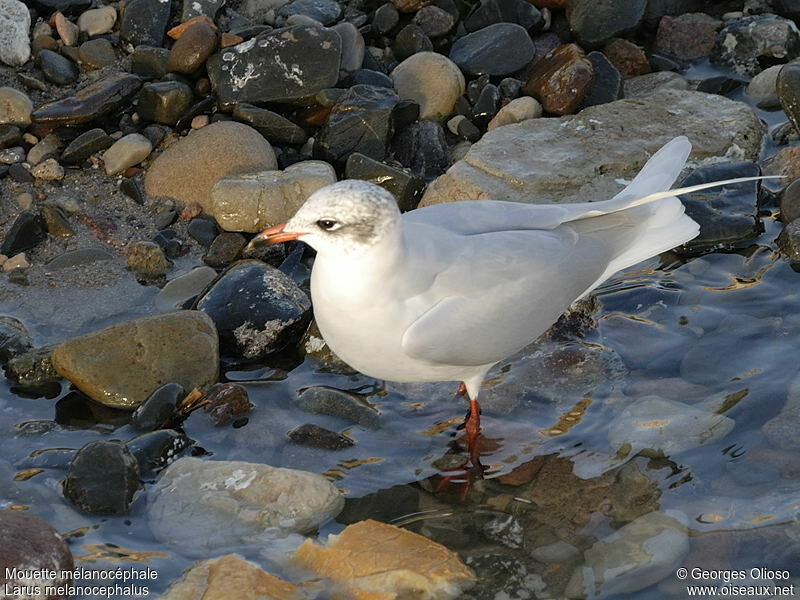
[[353, 47], [308, 61], [226, 402], [147, 259], [85, 145], [276, 128], [687, 36], [225, 249], [257, 309], [20, 174], [638, 555], [422, 148], [326, 12], [32, 544], [203, 230], [149, 62], [788, 241], [183, 288], [9, 135], [490, 170], [386, 18], [102, 478], [192, 49], [82, 256], [383, 559], [628, 58], [594, 23], [360, 122], [56, 221], [315, 436], [18, 261], [505, 11], [15, 107], [164, 101], [32, 368], [780, 429], [94, 101], [144, 23], [15, 22], [411, 40], [121, 365], [56, 68], [159, 407], [432, 81], [483, 111], [406, 187], [27, 231], [788, 89], [672, 427], [790, 202], [606, 84], [744, 43], [236, 503], [155, 450], [498, 49], [14, 338], [561, 79], [726, 215], [97, 21], [368, 77], [96, 54], [256, 201], [435, 22], [763, 88], [126, 152], [785, 162], [323, 400]]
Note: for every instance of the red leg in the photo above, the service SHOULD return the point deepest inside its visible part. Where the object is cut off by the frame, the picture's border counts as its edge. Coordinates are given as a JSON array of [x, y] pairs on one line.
[[472, 425]]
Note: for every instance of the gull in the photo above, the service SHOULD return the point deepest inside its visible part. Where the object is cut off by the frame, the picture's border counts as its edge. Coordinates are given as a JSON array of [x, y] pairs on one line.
[[444, 292]]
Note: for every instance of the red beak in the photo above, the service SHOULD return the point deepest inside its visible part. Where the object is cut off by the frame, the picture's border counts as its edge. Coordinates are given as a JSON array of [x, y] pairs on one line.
[[272, 235]]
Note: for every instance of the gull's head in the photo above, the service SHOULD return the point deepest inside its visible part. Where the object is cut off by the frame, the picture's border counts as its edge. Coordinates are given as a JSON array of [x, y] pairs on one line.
[[345, 217]]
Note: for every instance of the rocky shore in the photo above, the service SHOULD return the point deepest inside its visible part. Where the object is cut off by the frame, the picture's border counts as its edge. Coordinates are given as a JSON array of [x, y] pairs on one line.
[[144, 142]]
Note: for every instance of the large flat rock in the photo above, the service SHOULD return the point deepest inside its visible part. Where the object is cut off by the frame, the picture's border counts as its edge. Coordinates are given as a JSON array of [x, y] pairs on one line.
[[580, 158]]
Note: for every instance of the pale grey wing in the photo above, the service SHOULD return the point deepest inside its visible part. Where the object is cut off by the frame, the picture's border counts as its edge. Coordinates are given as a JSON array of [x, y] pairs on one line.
[[501, 291]]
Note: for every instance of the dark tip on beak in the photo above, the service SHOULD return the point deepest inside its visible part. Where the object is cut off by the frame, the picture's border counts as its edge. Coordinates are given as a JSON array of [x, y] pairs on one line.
[[271, 235]]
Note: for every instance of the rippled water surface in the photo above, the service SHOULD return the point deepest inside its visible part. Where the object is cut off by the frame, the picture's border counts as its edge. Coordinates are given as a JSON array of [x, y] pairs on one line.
[[717, 332]]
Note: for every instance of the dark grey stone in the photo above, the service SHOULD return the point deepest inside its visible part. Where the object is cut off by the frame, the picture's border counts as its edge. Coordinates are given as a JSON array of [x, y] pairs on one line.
[[102, 478], [505, 11], [499, 49], [276, 128], [56, 68], [594, 22], [422, 147], [149, 62], [86, 144], [326, 12], [406, 187], [164, 101], [607, 83], [145, 23], [92, 102], [410, 40], [27, 231]]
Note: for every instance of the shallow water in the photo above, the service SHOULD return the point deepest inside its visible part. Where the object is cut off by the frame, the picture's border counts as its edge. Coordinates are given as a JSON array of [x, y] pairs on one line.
[[718, 331]]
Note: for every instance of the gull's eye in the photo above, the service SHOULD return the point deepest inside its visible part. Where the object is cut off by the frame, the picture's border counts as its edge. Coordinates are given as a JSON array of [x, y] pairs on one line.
[[328, 224]]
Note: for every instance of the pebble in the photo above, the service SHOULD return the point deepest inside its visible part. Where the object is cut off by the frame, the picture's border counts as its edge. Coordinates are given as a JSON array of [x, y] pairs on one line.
[[144, 23], [406, 187], [11, 156], [48, 170], [561, 79], [410, 40], [505, 11], [159, 408], [96, 54], [253, 72], [763, 88], [255, 201], [97, 21], [607, 83], [14, 338], [121, 365], [628, 58], [645, 86], [190, 52], [431, 80], [519, 109], [226, 248], [96, 100], [435, 22], [33, 545], [326, 12], [226, 402], [687, 36], [56, 221], [85, 145], [483, 111], [81, 256], [314, 436], [499, 49], [788, 89], [235, 503], [149, 62], [48, 147], [257, 309], [744, 44], [788, 241], [148, 260], [353, 47], [15, 107], [186, 175], [15, 22], [593, 23], [18, 261], [32, 368], [179, 290], [9, 135], [203, 230], [386, 18], [56, 68], [323, 400], [67, 30], [790, 202], [127, 151], [359, 122], [273, 126], [102, 478], [156, 449], [164, 101], [422, 147]]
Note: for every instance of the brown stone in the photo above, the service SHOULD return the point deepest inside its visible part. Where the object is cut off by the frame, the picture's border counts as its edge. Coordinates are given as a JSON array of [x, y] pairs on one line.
[[687, 36], [561, 79], [176, 32], [627, 57], [230, 39], [227, 577], [408, 6], [192, 49], [786, 163], [377, 560]]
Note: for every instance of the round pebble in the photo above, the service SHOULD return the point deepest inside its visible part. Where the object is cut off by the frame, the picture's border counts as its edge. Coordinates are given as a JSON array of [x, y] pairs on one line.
[[48, 170], [431, 80], [126, 152], [15, 107], [519, 109], [97, 21]]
